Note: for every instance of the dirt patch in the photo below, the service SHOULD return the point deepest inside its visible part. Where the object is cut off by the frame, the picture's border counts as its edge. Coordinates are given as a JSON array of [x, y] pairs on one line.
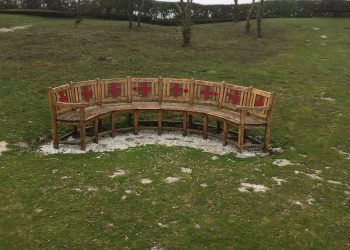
[[117, 172], [186, 170]]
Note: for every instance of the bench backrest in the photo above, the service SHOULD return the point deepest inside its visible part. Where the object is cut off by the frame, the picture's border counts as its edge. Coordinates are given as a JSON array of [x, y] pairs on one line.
[[206, 92], [144, 89], [175, 90], [60, 94], [261, 98], [114, 90], [235, 95], [87, 91]]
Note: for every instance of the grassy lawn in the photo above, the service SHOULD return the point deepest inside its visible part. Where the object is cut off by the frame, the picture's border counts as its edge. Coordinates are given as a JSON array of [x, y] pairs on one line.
[[69, 201]]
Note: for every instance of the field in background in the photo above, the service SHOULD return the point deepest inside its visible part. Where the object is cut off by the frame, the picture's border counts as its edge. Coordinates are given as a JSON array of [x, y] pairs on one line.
[[69, 201]]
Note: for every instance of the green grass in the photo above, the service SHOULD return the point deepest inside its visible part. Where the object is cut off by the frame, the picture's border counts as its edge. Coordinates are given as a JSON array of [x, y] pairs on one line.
[[290, 60]]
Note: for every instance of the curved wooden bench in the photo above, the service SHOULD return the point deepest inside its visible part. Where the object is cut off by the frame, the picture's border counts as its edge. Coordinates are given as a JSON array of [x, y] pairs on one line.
[[81, 104]]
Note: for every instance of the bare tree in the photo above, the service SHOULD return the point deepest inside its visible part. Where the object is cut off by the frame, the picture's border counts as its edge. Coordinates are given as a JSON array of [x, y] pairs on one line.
[[247, 25], [78, 20], [259, 17], [140, 9], [185, 20], [236, 11], [130, 12]]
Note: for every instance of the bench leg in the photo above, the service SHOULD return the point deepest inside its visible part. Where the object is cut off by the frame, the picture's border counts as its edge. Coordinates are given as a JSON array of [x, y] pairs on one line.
[[82, 135], [113, 124], [267, 139], [184, 123], [218, 126], [225, 134], [160, 121], [205, 127], [96, 125], [54, 134], [136, 123], [190, 120], [240, 138]]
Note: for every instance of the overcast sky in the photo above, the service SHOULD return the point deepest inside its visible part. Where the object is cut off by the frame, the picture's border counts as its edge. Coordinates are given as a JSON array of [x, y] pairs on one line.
[[213, 1]]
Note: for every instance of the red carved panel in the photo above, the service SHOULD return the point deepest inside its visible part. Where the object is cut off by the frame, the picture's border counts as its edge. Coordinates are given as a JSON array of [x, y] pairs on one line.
[[259, 101], [114, 90], [207, 93], [86, 93], [62, 96]]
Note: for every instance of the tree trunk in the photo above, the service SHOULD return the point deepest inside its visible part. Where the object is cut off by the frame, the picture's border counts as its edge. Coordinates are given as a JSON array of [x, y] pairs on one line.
[[236, 11], [247, 25], [259, 17], [185, 21], [130, 15], [78, 20], [186, 33], [139, 14]]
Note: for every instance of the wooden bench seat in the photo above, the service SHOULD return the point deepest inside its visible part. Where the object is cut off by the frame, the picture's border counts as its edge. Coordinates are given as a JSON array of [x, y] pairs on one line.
[[232, 105]]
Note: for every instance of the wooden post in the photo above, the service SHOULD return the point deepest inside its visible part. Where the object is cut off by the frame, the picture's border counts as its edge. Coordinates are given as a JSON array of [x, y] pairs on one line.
[[205, 126], [96, 123], [113, 124], [241, 130], [160, 89], [268, 125], [218, 126], [184, 125], [53, 110], [82, 129], [225, 134], [136, 122], [160, 121]]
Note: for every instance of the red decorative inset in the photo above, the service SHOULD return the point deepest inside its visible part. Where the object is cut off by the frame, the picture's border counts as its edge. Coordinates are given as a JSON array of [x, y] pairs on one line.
[[207, 93], [259, 101], [86, 93], [134, 88], [176, 90], [185, 90], [235, 98], [144, 89], [114, 90], [63, 97]]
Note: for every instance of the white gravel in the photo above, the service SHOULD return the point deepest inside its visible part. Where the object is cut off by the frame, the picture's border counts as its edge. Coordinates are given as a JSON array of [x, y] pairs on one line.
[[279, 181], [3, 146], [186, 170], [256, 188], [12, 29], [148, 137], [117, 172], [146, 181], [171, 179], [282, 162]]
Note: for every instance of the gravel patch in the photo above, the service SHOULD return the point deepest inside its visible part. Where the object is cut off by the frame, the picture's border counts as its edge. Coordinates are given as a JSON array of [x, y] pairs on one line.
[[12, 29], [117, 172], [256, 188], [282, 162], [146, 181], [149, 137], [186, 170], [3, 146], [279, 181], [171, 179], [204, 185], [334, 182]]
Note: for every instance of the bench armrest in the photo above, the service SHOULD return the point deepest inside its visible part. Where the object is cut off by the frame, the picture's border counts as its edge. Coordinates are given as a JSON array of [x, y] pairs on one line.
[[72, 105]]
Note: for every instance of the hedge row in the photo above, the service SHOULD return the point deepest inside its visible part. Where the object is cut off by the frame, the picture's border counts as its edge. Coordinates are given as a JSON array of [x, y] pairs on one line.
[[165, 13]]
